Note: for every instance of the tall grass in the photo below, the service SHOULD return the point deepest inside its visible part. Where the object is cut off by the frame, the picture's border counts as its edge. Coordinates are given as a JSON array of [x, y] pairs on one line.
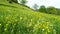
[[22, 20]]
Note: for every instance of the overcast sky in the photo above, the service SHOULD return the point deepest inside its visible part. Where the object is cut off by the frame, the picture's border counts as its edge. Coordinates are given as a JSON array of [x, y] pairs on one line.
[[55, 3]]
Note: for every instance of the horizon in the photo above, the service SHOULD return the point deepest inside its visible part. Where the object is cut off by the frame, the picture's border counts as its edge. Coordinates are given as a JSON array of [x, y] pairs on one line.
[[46, 3]]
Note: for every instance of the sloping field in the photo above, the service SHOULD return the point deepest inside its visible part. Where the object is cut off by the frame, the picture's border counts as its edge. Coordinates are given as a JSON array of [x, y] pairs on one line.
[[18, 19]]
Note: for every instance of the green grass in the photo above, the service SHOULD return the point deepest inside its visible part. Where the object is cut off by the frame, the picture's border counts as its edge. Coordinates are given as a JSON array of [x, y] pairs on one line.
[[17, 19]]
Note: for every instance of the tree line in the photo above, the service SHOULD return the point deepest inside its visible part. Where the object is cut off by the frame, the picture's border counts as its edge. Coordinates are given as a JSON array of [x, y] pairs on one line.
[[49, 10], [16, 1]]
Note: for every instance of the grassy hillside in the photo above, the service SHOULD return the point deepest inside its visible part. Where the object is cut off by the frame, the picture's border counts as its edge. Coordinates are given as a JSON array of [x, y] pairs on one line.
[[17, 19]]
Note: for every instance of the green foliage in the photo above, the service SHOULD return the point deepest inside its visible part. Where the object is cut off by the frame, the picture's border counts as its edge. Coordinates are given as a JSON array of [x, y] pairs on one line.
[[15, 1], [42, 9], [23, 1], [22, 20], [58, 11], [52, 10], [49, 10]]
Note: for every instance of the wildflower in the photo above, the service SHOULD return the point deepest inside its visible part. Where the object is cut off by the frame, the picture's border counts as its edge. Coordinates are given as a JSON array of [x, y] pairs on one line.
[[1, 16], [48, 30], [36, 26], [43, 29], [46, 33], [31, 20], [46, 27], [38, 21], [30, 24], [0, 24], [7, 17], [5, 29], [20, 17], [6, 24]]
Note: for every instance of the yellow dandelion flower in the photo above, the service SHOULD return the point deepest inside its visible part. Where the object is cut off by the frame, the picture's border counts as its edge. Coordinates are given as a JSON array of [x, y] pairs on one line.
[[47, 27]]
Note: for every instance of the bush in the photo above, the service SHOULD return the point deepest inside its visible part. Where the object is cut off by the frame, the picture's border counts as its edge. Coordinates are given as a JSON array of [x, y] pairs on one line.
[[49, 10]]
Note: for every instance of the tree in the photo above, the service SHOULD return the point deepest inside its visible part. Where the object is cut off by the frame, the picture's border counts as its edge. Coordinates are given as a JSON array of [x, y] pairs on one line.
[[42, 9], [10, 1], [15, 1], [23, 1], [58, 11], [35, 7], [52, 10]]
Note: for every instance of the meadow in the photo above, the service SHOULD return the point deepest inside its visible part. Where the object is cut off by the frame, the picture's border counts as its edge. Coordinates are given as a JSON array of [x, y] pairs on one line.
[[18, 19]]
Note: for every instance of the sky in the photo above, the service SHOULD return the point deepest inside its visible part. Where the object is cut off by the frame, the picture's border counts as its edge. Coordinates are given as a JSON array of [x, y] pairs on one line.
[[47, 3]]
